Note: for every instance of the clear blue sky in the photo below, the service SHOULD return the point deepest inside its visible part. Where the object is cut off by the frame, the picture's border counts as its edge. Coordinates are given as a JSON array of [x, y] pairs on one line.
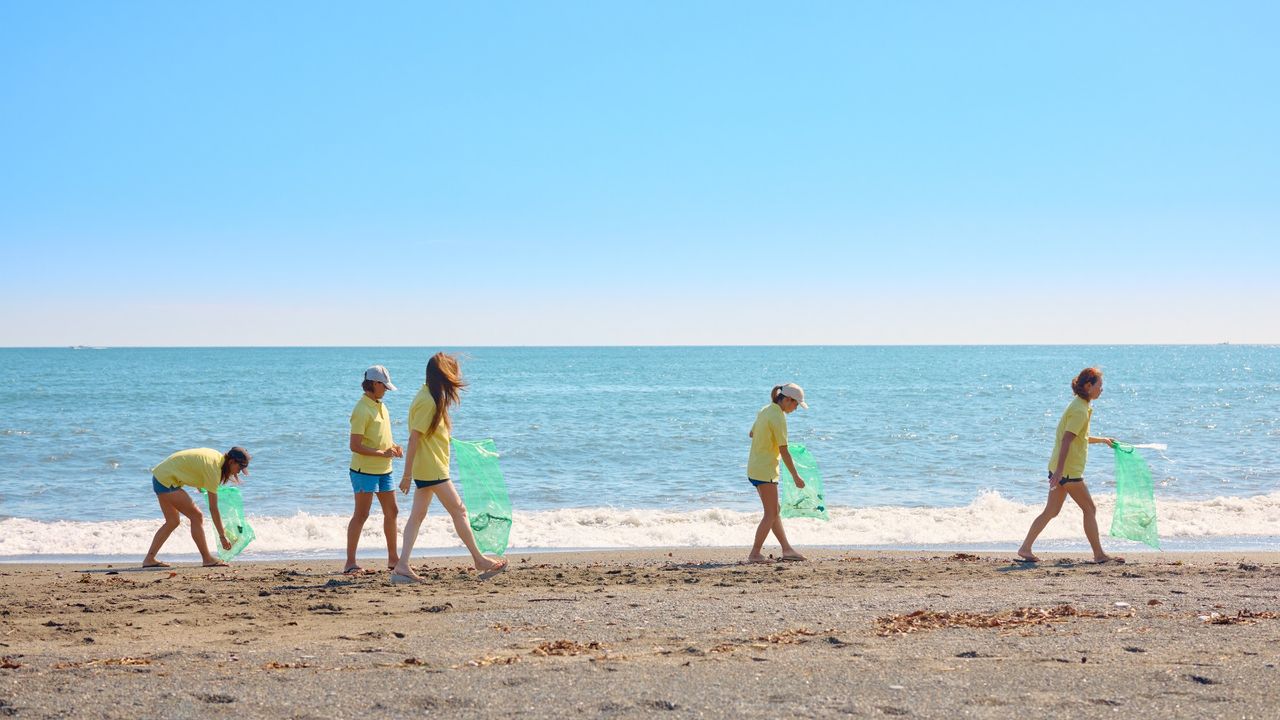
[[638, 173]]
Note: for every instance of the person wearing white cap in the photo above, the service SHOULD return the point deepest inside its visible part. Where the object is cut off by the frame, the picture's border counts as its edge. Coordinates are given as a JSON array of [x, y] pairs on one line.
[[768, 444], [372, 449]]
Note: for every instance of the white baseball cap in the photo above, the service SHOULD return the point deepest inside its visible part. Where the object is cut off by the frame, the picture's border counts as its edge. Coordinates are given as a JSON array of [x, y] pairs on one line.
[[795, 392], [377, 373]]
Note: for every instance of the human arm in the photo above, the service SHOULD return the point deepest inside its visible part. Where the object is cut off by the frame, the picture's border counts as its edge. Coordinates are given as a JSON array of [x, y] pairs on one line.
[[405, 481], [358, 447], [217, 520], [1055, 477], [1109, 441], [791, 466], [777, 427]]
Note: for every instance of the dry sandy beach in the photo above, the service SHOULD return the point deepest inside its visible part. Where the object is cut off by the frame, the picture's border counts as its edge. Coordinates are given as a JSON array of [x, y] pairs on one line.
[[670, 633]]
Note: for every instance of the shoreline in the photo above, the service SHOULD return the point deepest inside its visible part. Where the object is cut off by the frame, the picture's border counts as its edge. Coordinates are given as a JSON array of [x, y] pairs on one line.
[[721, 554], [1261, 546], [1050, 554], [627, 633]]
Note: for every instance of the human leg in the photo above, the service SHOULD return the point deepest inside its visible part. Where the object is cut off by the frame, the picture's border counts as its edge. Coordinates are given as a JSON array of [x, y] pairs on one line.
[[171, 523], [768, 493], [421, 501], [360, 515], [390, 511], [1079, 492], [452, 503], [187, 507], [1052, 507], [788, 552]]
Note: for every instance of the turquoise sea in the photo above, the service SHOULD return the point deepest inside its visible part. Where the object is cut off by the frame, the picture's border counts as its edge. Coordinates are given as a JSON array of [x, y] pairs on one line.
[[646, 446]]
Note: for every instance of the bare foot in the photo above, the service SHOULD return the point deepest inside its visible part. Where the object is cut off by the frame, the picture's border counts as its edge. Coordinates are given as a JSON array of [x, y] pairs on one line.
[[353, 570], [793, 556], [154, 564], [758, 559], [1028, 556], [487, 565], [405, 574], [216, 563], [1104, 559], [400, 578]]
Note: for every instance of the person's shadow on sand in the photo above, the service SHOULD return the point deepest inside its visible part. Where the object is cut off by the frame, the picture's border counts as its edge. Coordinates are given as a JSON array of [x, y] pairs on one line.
[[1060, 563], [117, 571], [703, 565]]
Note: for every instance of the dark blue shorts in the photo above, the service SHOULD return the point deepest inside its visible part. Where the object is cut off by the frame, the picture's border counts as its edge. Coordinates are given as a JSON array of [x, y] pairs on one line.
[[366, 483], [758, 483], [1066, 480], [162, 489], [428, 483]]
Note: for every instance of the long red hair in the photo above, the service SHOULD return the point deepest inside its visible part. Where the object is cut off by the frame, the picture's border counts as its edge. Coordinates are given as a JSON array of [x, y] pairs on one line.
[[445, 383]]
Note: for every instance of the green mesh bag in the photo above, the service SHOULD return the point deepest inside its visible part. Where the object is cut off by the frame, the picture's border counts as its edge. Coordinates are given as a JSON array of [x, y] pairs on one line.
[[485, 492], [1135, 514], [808, 502], [231, 510]]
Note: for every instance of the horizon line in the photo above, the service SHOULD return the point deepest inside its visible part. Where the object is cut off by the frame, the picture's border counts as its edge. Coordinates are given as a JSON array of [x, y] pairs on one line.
[[620, 345]]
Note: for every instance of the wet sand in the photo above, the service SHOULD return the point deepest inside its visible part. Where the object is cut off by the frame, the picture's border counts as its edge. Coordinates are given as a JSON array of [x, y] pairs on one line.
[[668, 633]]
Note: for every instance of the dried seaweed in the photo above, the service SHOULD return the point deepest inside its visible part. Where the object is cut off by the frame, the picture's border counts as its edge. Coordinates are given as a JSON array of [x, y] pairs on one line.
[[931, 620], [787, 637], [101, 662], [1242, 617], [494, 660], [566, 647]]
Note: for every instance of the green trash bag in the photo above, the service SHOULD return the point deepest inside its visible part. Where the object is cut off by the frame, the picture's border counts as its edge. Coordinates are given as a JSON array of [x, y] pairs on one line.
[[485, 492], [1135, 514], [806, 502], [231, 509]]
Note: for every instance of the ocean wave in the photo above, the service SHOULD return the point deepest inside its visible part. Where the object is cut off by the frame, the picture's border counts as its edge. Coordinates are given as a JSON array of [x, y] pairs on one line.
[[989, 518]]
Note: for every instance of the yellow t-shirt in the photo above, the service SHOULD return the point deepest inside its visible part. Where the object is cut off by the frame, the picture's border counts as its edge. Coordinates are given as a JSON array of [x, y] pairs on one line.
[[200, 468], [767, 435], [1075, 420], [370, 421], [431, 458]]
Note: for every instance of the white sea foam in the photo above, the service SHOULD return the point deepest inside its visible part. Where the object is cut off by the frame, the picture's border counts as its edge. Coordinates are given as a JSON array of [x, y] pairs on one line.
[[990, 518]]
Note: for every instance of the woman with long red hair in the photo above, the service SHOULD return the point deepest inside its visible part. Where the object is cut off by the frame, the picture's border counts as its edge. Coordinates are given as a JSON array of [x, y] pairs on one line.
[[426, 465]]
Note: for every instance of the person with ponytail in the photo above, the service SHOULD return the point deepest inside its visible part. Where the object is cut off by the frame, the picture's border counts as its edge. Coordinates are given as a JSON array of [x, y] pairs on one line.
[[768, 444], [201, 468], [1066, 467], [426, 465]]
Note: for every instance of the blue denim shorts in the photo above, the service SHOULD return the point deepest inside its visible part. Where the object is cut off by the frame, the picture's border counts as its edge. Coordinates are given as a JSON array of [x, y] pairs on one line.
[[366, 483], [428, 483], [758, 483], [162, 489]]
